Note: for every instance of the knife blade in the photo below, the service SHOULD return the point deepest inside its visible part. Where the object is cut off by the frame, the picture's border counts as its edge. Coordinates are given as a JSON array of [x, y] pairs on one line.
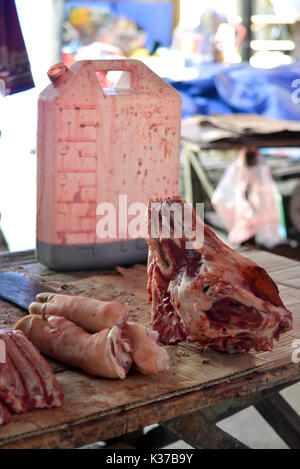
[[19, 289]]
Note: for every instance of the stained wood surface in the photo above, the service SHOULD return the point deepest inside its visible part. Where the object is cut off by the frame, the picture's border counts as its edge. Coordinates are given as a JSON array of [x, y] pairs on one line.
[[97, 409]]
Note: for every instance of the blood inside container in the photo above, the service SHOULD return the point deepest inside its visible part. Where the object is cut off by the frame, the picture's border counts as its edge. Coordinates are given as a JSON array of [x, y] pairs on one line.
[[108, 141]]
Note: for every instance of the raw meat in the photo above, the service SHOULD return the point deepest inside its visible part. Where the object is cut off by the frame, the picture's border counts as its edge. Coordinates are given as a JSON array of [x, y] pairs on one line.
[[5, 416], [26, 380], [52, 389], [94, 315], [148, 356], [104, 354], [210, 294], [12, 391], [30, 379]]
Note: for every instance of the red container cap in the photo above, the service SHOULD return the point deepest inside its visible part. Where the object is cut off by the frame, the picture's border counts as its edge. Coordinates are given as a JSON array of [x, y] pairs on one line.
[[58, 74]]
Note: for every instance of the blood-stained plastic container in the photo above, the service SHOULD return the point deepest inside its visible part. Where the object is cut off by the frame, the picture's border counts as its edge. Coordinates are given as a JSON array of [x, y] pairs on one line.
[[99, 153]]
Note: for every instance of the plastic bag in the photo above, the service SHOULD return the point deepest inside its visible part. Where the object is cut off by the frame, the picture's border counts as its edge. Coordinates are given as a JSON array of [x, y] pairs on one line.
[[246, 200]]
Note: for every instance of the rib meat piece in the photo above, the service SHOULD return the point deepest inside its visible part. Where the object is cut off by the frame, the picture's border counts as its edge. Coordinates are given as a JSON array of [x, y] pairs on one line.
[[35, 397], [51, 387], [5, 416], [12, 391], [210, 294], [26, 380]]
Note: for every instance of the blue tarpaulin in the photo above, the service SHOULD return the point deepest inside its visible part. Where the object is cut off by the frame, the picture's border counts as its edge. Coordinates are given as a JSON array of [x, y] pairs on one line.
[[226, 89]]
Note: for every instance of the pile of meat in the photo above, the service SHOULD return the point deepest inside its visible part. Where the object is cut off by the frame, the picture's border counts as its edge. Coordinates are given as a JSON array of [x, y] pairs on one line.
[[210, 293], [26, 380], [93, 335]]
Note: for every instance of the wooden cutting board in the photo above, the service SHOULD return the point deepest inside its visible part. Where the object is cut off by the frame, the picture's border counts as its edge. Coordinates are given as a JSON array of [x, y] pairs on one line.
[[89, 399]]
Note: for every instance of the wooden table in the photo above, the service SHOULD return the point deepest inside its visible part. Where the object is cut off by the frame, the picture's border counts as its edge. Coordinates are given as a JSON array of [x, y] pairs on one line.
[[200, 388]]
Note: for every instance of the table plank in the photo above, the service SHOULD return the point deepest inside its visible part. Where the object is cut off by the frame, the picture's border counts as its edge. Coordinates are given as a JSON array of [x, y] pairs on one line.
[[196, 430]]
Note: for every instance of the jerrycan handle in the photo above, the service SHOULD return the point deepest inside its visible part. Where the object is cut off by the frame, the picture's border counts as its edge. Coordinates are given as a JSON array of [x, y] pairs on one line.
[[142, 77]]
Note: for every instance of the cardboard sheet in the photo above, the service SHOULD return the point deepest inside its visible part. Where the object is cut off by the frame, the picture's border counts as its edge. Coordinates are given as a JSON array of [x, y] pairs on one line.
[[234, 126]]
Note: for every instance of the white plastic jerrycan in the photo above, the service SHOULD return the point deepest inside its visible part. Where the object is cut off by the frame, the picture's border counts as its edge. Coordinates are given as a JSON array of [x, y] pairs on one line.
[[101, 155]]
